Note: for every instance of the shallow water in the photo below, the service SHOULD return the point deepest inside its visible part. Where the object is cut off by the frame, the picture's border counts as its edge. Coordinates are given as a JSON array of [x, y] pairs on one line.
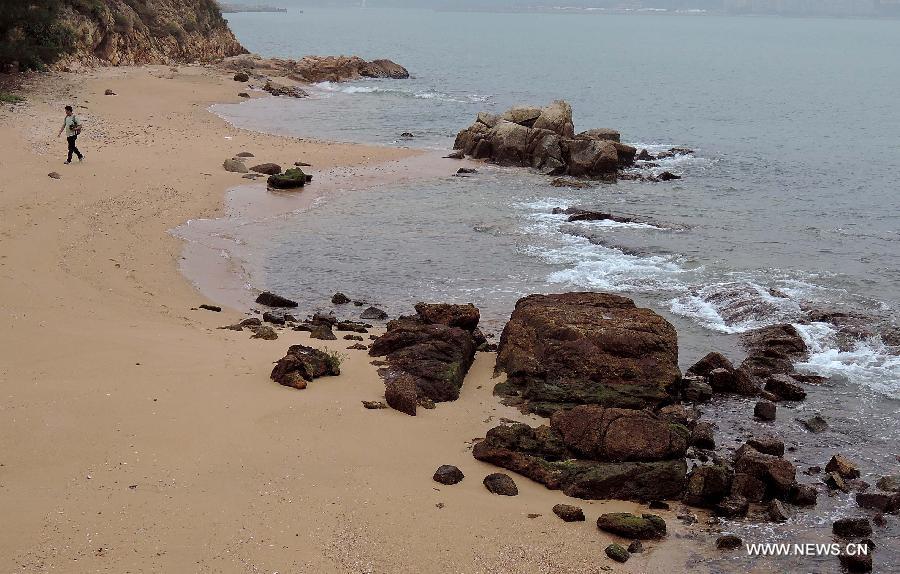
[[790, 199]]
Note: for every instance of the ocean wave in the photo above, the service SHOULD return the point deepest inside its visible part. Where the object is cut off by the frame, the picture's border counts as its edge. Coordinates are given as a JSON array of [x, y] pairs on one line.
[[870, 362], [404, 93], [734, 306]]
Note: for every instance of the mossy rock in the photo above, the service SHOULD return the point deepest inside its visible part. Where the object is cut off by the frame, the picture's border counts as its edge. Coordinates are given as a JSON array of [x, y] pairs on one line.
[[627, 525], [290, 179], [617, 553]]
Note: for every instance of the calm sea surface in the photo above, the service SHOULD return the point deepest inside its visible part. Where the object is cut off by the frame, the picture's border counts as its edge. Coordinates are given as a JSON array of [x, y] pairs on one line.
[[792, 198]]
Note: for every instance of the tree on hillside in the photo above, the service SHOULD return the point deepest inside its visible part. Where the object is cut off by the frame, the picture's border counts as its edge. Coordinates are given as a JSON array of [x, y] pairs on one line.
[[31, 34]]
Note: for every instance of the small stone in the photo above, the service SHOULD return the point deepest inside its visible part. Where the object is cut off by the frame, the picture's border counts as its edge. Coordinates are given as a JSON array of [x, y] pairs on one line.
[[502, 484], [768, 445], [852, 527], [802, 495], [235, 166], [272, 300], [374, 313], [358, 347], [241, 77], [322, 332], [842, 465], [636, 547], [776, 511], [617, 553], [340, 299], [214, 308], [353, 337], [834, 481], [627, 525], [54, 175], [569, 513], [815, 424], [458, 154], [448, 474], [374, 405], [785, 387], [273, 318], [702, 436], [732, 507], [265, 332], [728, 542], [243, 95], [764, 411], [890, 483]]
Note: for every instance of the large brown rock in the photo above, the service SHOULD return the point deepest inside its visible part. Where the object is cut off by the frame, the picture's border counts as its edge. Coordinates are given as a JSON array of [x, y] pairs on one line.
[[509, 143], [401, 394], [603, 434], [435, 355], [302, 364], [773, 350], [462, 316], [707, 485], [563, 350], [591, 158], [557, 117], [775, 472], [627, 525]]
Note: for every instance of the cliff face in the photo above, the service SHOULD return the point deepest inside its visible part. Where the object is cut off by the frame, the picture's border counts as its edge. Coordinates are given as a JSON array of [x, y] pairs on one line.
[[133, 32]]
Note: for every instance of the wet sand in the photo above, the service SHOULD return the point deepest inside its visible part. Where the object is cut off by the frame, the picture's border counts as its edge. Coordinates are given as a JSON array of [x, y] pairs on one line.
[[137, 437]]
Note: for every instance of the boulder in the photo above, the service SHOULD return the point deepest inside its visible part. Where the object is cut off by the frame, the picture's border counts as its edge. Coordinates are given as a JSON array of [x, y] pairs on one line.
[[695, 389], [277, 89], [678, 414], [557, 117], [851, 527], [509, 144], [522, 115], [339, 299], [400, 394], [564, 350], [322, 332], [269, 317], [776, 473], [373, 314], [265, 333], [773, 350], [767, 445], [240, 77], [890, 483], [888, 503], [702, 436], [721, 375], [610, 434], [302, 364], [591, 158], [834, 481], [290, 179], [728, 542], [569, 513], [267, 168], [785, 387], [748, 487], [448, 474], [235, 166], [627, 525], [732, 506], [764, 410], [617, 553], [436, 356], [802, 495], [842, 465], [857, 562], [502, 484], [462, 316], [776, 511], [636, 547], [603, 134], [707, 485]]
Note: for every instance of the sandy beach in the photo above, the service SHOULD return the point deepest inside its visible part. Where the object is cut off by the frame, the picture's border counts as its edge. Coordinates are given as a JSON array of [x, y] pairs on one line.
[[137, 437]]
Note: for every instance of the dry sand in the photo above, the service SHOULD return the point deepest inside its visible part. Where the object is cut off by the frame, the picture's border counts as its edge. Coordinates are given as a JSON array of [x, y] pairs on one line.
[[136, 437]]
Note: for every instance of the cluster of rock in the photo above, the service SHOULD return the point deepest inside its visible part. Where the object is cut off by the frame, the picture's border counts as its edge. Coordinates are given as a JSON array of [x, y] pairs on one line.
[[314, 69], [428, 354], [290, 178]]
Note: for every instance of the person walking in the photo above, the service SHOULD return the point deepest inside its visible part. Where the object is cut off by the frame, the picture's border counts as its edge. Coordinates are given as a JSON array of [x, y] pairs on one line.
[[72, 127]]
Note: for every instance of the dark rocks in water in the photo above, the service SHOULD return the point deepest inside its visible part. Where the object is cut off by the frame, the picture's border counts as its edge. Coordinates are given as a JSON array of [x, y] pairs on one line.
[[373, 314], [852, 527], [573, 183], [721, 375], [776, 473], [463, 316], [243, 95], [675, 151], [322, 332], [617, 553], [764, 410], [776, 511], [502, 484], [569, 513], [267, 168], [563, 350], [269, 317], [457, 154], [213, 308], [448, 474], [627, 525], [749, 487], [374, 405], [888, 503], [785, 387], [277, 89], [644, 155], [544, 139], [802, 495], [265, 333], [732, 506], [856, 562], [302, 364], [767, 445], [352, 326], [773, 350], [636, 547], [815, 424], [889, 483], [702, 436], [466, 171], [695, 389], [587, 215], [842, 465], [728, 542], [339, 299], [407, 135], [273, 300], [541, 455], [667, 176], [241, 77], [400, 394], [707, 485], [290, 179], [834, 481]]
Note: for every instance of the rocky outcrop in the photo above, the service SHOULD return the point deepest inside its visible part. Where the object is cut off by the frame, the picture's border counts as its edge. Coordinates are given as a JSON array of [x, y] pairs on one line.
[[594, 453], [544, 139], [314, 69], [122, 33], [560, 351], [429, 351], [302, 364]]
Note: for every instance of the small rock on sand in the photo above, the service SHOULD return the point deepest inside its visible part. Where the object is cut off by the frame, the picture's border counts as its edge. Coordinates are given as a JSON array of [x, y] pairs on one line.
[[234, 166], [272, 300], [54, 175], [265, 332], [374, 313], [617, 552], [569, 513], [502, 484], [374, 405], [448, 474]]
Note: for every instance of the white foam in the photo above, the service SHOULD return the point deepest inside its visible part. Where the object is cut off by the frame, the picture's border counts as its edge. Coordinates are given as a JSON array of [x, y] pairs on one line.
[[710, 304], [423, 95], [869, 362]]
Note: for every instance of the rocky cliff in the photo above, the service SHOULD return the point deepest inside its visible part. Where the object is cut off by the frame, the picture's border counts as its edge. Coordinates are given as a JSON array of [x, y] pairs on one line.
[[133, 32]]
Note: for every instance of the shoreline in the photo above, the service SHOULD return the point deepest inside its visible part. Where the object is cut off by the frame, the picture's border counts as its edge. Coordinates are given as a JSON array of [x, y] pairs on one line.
[[137, 435]]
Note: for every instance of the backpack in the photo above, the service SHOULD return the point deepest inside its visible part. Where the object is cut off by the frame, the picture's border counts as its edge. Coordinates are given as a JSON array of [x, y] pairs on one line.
[[76, 126]]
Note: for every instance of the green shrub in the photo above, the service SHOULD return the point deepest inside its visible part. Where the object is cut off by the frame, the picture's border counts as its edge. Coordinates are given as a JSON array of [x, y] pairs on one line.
[[31, 33], [335, 359], [8, 98]]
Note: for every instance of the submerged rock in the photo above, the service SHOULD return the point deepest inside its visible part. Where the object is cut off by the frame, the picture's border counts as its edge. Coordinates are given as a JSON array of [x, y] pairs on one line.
[[273, 300], [563, 350], [290, 179]]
